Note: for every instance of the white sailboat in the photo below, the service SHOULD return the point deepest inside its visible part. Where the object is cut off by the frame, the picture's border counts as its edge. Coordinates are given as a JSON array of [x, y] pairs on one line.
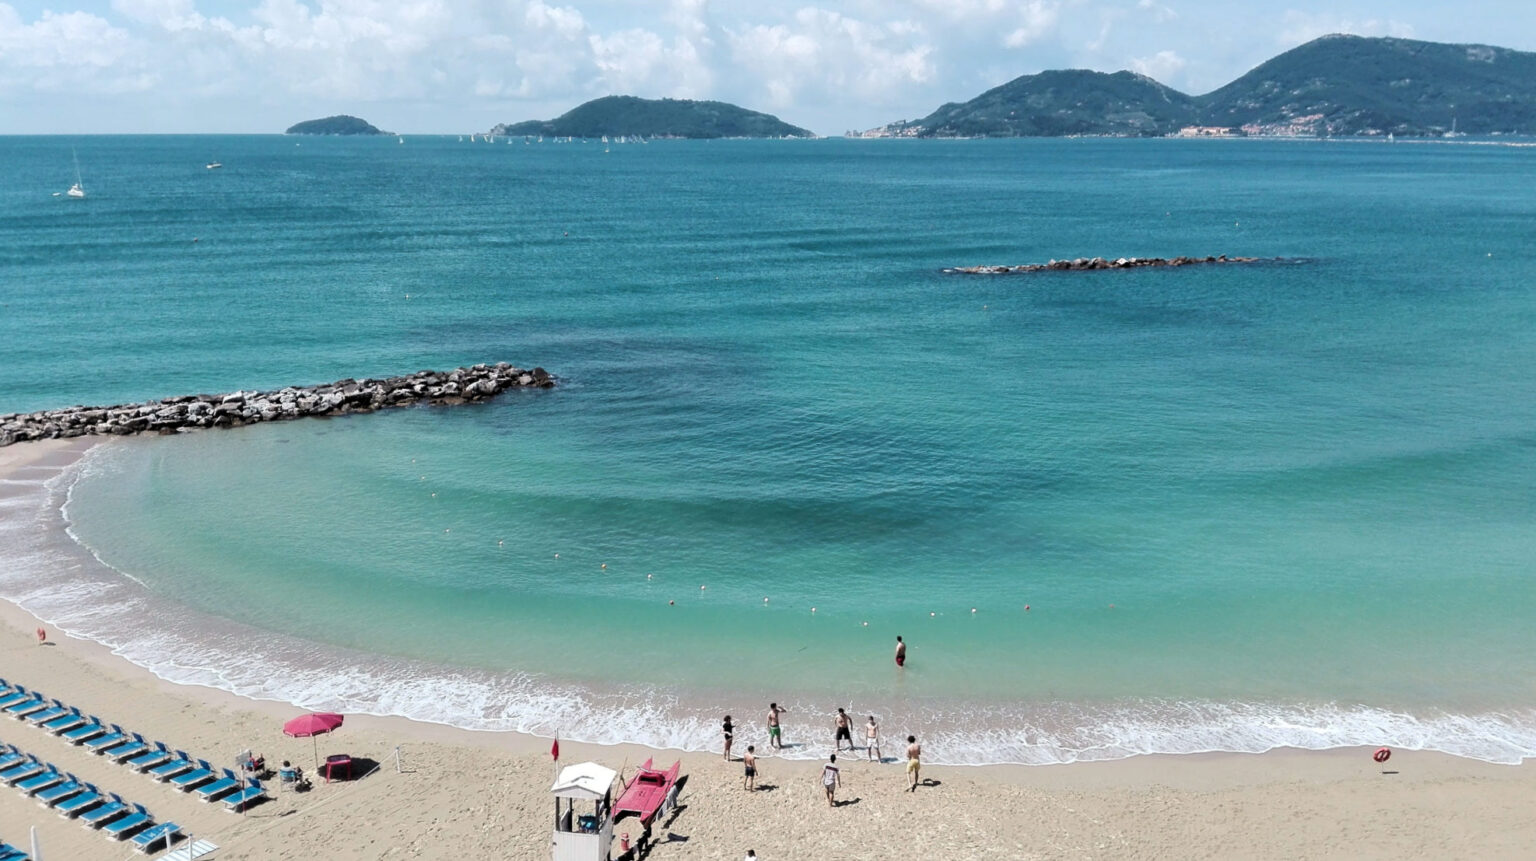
[[78, 189]]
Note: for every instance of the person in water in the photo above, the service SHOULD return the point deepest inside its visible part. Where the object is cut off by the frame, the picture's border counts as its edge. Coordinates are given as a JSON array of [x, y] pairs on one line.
[[901, 653], [914, 762], [727, 729], [749, 760], [872, 739], [775, 732], [843, 732]]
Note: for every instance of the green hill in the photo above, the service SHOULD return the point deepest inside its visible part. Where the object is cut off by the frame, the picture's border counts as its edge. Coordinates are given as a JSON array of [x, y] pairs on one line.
[[1338, 85], [1068, 102], [337, 125], [675, 118]]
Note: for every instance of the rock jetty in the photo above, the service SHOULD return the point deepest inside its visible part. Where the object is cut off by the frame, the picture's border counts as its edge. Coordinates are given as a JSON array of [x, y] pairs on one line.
[[1086, 263], [459, 386]]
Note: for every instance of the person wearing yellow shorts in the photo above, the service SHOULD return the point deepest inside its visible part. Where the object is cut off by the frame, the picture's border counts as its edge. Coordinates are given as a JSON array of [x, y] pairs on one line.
[[914, 762]]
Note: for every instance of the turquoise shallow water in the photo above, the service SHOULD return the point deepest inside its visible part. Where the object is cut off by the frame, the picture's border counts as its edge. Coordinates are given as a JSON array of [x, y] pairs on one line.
[[1286, 503]]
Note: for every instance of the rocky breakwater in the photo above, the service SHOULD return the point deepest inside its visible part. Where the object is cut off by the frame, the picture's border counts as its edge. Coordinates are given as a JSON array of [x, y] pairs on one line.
[[459, 386], [1089, 263]]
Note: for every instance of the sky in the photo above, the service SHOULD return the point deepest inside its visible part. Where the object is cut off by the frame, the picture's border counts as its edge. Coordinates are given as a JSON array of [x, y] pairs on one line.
[[459, 66]]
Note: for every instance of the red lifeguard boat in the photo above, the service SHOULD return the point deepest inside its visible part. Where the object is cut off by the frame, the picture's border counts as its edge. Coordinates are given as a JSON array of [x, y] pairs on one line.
[[646, 792]]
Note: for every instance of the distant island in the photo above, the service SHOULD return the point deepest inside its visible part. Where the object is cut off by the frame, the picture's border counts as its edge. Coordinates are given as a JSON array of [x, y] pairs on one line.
[[661, 118], [1334, 85], [340, 124]]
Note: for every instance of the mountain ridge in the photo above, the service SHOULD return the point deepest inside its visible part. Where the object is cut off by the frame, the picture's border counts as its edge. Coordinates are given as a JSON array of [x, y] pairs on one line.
[[667, 118]]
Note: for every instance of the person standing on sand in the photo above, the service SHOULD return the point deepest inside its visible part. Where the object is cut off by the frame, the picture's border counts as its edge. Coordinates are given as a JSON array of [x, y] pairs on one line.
[[844, 731], [901, 653], [749, 759], [872, 739], [831, 779], [729, 737], [775, 732], [914, 762]]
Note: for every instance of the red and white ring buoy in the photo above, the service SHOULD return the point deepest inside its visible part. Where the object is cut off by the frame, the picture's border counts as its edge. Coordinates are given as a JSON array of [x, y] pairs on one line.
[[1382, 754]]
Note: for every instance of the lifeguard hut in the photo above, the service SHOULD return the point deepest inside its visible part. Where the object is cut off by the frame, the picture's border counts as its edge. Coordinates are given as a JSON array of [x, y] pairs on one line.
[[583, 813]]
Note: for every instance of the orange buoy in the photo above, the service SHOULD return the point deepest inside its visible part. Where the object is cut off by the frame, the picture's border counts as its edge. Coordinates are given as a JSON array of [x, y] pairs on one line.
[[1382, 754]]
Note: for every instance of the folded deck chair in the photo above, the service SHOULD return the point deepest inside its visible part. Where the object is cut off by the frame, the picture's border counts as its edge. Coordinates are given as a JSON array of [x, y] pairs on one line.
[[144, 761], [21, 772], [64, 723], [249, 795], [58, 792], [121, 828], [152, 838], [210, 791], [203, 774], [37, 783], [70, 807], [99, 816], [82, 734], [180, 765]]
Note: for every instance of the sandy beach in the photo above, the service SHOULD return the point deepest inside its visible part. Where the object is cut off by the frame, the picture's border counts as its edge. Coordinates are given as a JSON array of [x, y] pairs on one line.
[[459, 794]]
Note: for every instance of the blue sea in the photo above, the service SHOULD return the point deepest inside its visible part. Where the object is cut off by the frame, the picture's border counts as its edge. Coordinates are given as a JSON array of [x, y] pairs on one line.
[[1219, 508]]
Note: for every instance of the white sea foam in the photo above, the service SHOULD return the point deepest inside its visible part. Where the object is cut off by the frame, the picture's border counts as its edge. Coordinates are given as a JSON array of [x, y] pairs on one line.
[[45, 570]]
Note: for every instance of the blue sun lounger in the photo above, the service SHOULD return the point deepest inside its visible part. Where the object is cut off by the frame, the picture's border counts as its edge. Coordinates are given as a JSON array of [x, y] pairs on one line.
[[249, 795], [11, 853], [85, 733], [66, 722], [127, 749], [203, 774], [26, 707], [70, 807], [145, 761], [13, 698], [12, 759], [37, 783], [111, 739], [99, 816], [54, 794], [21, 772], [180, 765], [210, 791], [58, 709], [121, 828], [149, 839]]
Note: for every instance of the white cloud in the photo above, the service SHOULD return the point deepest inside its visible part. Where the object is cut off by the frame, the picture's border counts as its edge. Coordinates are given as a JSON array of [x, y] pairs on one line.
[[1037, 18], [1158, 11], [823, 53], [1299, 27], [1160, 66], [69, 52]]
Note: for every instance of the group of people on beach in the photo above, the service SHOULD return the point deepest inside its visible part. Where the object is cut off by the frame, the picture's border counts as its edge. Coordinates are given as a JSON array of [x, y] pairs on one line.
[[831, 777]]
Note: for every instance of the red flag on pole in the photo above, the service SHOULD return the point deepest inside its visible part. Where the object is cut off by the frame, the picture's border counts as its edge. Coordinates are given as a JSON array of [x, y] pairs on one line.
[[554, 750]]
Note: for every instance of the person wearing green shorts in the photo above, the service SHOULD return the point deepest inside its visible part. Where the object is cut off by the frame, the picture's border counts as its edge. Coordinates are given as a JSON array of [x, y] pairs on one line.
[[775, 731]]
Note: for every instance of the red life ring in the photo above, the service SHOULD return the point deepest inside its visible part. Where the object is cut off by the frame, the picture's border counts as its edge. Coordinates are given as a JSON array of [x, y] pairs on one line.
[[1382, 754]]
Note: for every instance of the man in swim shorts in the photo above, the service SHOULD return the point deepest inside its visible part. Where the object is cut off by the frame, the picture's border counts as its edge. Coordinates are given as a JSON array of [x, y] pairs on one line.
[[872, 739], [901, 653], [775, 732], [844, 727], [914, 762], [749, 779]]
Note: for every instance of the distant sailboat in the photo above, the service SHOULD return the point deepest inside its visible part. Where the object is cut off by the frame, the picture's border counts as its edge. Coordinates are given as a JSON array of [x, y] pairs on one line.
[[401, 140], [214, 165], [78, 189]]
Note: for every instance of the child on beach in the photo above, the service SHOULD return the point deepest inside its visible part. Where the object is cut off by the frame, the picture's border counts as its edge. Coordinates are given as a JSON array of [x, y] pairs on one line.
[[749, 759], [831, 778], [872, 739]]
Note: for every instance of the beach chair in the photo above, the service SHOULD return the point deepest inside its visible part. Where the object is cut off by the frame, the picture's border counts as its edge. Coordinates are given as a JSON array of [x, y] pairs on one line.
[[247, 796], [80, 735], [144, 761], [58, 709], [121, 828], [152, 838], [11, 853], [21, 772], [186, 782], [37, 783], [210, 791], [54, 794], [76, 804], [12, 758], [67, 722], [13, 698], [127, 750], [180, 765], [111, 739], [96, 817], [26, 707]]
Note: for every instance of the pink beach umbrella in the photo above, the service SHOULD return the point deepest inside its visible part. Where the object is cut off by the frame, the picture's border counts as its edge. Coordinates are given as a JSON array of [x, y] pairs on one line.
[[312, 725]]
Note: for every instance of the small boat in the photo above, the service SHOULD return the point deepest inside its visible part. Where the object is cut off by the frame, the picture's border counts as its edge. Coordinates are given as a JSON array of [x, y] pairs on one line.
[[646, 792], [214, 165], [78, 189], [402, 140]]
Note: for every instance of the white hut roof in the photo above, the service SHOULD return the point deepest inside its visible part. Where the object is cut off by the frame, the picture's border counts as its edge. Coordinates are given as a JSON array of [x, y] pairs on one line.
[[584, 780]]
